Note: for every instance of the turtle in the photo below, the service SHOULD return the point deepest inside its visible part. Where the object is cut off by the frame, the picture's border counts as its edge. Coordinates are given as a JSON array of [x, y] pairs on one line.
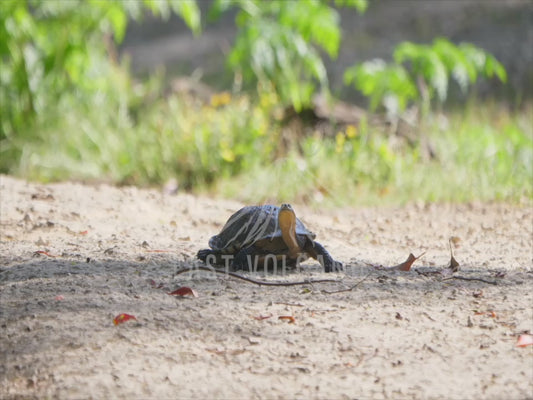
[[269, 232]]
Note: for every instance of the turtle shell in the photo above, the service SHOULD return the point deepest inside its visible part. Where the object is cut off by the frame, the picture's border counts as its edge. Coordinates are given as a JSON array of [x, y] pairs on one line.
[[249, 225]]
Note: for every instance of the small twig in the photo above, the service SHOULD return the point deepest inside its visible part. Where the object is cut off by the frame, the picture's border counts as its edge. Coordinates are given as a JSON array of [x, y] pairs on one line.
[[464, 278], [349, 289], [256, 282], [288, 304], [429, 316]]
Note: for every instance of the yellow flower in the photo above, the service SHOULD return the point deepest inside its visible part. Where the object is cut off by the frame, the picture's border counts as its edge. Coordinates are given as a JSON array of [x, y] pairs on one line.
[[227, 154], [220, 99], [351, 131]]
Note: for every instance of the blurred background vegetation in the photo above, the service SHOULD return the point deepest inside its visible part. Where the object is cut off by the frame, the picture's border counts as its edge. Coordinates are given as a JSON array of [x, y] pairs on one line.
[[432, 119]]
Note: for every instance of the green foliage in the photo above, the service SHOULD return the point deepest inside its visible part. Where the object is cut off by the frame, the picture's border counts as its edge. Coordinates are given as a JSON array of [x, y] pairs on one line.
[[359, 5], [169, 141], [278, 43], [385, 84], [484, 153], [421, 73], [53, 49]]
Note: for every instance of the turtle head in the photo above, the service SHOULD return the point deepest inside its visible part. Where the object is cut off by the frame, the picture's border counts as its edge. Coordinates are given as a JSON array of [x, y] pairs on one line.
[[286, 207], [287, 224], [286, 216]]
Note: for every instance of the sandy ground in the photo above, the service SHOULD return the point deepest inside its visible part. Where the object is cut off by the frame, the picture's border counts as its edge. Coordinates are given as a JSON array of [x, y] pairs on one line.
[[422, 334]]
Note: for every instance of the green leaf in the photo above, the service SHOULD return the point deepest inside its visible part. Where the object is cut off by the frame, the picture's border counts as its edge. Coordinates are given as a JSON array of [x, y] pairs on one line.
[[457, 64], [406, 51], [494, 67], [387, 85], [313, 20], [437, 74], [280, 52], [189, 11], [476, 56], [117, 18], [158, 7], [218, 8], [359, 5]]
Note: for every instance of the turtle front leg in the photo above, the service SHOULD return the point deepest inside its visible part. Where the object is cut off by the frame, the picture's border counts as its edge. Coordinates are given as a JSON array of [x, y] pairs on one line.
[[211, 257], [319, 253], [202, 254]]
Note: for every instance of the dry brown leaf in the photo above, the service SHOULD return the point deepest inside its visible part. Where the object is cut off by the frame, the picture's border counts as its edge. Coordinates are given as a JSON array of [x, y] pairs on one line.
[[406, 265], [119, 319], [289, 318], [454, 265], [262, 317], [184, 291]]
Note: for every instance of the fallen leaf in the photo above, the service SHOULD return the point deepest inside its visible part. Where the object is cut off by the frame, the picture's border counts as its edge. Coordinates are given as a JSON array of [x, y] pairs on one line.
[[524, 340], [262, 317], [406, 265], [83, 232], [454, 265], [184, 291], [289, 318], [119, 319]]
